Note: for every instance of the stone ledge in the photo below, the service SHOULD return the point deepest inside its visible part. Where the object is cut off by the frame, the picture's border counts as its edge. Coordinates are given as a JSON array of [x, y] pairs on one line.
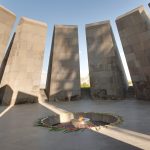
[[32, 21], [2, 8], [97, 24], [140, 9], [65, 26]]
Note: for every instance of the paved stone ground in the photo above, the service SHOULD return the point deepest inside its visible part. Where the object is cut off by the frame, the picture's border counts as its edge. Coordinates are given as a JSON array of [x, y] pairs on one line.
[[17, 131], [2, 108]]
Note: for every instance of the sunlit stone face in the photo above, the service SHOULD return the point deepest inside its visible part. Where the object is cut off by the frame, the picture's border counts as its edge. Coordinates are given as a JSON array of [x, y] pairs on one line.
[[105, 70], [64, 74], [7, 20]]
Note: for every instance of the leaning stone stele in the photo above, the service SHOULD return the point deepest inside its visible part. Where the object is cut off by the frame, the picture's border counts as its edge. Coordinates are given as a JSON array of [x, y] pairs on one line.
[[63, 78], [21, 79], [134, 30], [7, 20], [105, 68]]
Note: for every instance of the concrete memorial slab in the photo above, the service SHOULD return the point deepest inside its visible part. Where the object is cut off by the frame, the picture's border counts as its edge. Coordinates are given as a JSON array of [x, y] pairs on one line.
[[21, 79], [7, 20], [63, 78], [134, 30], [105, 68]]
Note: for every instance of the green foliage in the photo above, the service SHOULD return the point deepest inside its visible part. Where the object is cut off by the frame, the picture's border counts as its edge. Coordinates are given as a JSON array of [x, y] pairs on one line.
[[85, 85], [55, 129]]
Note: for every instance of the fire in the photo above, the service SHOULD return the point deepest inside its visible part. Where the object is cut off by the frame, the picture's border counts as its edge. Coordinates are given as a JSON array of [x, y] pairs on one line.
[[81, 118]]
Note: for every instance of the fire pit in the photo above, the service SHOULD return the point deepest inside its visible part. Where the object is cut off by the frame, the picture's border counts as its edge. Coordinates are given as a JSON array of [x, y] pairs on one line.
[[80, 122]]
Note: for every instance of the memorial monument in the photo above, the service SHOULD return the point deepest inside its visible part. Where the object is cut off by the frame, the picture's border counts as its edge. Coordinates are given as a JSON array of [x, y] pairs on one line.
[[105, 67], [21, 78], [134, 30], [7, 20], [63, 78]]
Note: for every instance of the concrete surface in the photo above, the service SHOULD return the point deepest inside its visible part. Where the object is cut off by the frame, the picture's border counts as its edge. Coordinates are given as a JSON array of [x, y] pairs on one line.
[[127, 136], [21, 79], [105, 69], [2, 108], [63, 78], [18, 131], [7, 20], [134, 30]]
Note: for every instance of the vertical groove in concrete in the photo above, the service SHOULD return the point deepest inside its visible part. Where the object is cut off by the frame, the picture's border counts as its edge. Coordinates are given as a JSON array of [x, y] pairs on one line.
[[2, 69], [7, 20], [49, 73], [21, 78], [134, 30], [106, 75], [4, 62], [63, 78]]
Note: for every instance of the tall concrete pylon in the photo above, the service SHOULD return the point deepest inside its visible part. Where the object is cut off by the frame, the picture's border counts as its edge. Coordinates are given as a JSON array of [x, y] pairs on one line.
[[105, 67], [21, 79], [63, 78], [134, 30], [7, 20]]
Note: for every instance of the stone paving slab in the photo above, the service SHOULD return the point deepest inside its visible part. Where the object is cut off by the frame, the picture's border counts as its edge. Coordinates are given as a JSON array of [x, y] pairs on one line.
[[2, 108], [17, 132]]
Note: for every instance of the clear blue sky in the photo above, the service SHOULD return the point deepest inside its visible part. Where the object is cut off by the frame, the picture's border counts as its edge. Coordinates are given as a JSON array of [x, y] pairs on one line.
[[78, 12]]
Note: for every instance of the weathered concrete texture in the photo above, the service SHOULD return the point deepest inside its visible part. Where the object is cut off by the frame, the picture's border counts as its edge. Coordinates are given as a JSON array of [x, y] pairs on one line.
[[63, 78], [21, 78], [5, 59], [134, 30], [7, 20], [106, 74]]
